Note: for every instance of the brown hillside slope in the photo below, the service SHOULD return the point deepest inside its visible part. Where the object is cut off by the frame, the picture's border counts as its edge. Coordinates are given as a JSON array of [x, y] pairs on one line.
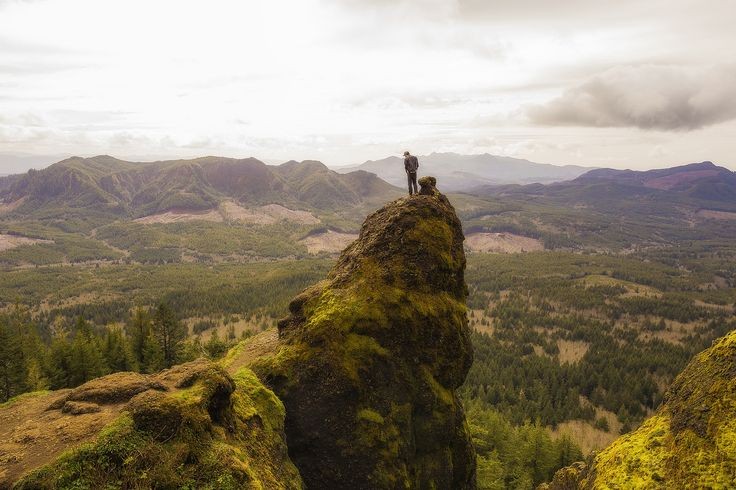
[[690, 442], [192, 426], [369, 361]]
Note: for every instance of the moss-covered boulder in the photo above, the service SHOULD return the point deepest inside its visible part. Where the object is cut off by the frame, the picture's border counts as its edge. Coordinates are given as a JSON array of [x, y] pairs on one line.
[[690, 442], [192, 426], [369, 359]]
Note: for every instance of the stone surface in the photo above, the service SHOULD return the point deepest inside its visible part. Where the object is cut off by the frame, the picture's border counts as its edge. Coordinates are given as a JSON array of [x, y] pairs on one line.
[[370, 359]]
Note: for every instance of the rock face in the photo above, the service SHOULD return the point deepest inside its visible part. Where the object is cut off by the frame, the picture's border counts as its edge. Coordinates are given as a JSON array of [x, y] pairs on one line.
[[193, 426], [690, 442], [369, 359]]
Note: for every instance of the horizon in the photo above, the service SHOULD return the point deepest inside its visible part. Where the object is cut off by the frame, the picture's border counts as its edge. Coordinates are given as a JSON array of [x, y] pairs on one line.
[[640, 86], [274, 162]]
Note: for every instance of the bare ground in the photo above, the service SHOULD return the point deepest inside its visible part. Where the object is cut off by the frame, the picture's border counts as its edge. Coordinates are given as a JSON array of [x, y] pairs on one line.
[[10, 206], [501, 243], [328, 241], [572, 350], [38, 427], [31, 435], [266, 215], [175, 216], [12, 241], [713, 214]]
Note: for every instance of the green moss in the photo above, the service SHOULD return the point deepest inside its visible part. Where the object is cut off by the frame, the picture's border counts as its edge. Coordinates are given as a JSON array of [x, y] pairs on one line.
[[198, 437], [435, 235], [691, 441]]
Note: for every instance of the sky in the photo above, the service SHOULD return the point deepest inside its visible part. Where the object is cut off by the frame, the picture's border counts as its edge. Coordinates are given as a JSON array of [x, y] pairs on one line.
[[626, 84]]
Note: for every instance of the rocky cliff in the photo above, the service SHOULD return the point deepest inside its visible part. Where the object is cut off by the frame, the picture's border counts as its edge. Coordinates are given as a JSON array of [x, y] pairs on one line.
[[690, 442], [369, 359]]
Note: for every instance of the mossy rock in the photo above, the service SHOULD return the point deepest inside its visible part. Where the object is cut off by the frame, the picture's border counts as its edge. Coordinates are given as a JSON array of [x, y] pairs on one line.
[[370, 358], [690, 442], [214, 431]]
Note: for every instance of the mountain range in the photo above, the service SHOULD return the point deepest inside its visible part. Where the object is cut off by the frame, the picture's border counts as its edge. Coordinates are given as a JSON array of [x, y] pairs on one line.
[[464, 172], [702, 184], [124, 188]]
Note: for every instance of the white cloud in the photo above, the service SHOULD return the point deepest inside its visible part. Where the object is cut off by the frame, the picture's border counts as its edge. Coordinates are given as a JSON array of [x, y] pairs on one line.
[[646, 97]]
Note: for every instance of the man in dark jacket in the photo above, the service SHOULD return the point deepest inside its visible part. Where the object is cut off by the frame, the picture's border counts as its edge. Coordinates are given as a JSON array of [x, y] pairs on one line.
[[411, 164]]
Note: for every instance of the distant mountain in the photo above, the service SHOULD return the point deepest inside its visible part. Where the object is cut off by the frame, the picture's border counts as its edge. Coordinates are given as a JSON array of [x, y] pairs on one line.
[[703, 180], [703, 184], [138, 189], [610, 209], [463, 172]]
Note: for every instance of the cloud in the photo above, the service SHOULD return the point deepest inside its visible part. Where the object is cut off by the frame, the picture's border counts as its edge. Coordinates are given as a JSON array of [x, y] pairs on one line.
[[669, 98]]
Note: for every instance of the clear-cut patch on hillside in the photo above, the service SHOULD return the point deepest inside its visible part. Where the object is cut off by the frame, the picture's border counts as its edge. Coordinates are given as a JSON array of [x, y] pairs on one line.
[[329, 241], [12, 241], [266, 215], [713, 214], [501, 243], [176, 216]]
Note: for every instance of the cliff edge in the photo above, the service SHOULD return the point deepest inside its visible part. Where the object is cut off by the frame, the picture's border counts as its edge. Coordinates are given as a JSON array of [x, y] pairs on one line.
[[690, 442], [369, 360]]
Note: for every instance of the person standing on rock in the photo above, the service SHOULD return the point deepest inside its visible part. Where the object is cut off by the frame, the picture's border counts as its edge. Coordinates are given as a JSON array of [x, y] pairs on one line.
[[411, 165]]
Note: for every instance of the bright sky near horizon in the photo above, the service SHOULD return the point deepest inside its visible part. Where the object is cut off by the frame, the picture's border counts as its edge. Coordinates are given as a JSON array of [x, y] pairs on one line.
[[637, 84]]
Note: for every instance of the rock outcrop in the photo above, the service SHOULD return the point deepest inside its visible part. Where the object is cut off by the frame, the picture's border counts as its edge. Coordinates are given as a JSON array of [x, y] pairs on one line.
[[690, 442], [366, 370], [369, 360], [192, 426]]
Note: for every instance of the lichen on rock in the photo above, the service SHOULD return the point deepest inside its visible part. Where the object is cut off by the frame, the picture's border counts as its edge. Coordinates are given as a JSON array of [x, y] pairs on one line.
[[690, 442], [370, 359]]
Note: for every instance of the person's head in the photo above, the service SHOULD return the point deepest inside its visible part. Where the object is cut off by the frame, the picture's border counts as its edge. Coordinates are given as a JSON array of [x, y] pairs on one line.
[[406, 153]]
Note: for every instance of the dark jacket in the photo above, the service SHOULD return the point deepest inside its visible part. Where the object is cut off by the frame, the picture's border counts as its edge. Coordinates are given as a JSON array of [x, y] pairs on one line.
[[411, 164]]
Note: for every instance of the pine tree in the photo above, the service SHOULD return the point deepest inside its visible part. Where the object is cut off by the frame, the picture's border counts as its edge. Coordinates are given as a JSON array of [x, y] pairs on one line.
[[169, 332], [60, 363], [116, 352], [12, 371], [215, 347], [138, 330], [35, 378], [86, 360], [153, 357]]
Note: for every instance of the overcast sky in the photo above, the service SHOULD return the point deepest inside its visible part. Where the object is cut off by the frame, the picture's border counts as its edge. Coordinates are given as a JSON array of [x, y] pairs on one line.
[[632, 83]]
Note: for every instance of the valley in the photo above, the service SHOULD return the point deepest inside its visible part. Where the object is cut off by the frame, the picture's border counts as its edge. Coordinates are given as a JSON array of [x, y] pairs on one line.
[[587, 297]]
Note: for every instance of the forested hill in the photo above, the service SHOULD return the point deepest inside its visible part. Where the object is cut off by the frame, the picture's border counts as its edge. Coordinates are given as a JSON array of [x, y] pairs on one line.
[[121, 188]]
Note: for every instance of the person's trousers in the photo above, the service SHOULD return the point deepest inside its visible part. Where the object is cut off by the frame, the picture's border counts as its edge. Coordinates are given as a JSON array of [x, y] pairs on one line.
[[412, 178]]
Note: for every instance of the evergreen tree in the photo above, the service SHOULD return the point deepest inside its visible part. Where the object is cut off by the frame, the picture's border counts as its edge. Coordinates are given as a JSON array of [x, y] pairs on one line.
[[116, 352], [12, 372], [169, 332], [86, 360], [153, 357], [138, 330], [60, 369], [215, 347]]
